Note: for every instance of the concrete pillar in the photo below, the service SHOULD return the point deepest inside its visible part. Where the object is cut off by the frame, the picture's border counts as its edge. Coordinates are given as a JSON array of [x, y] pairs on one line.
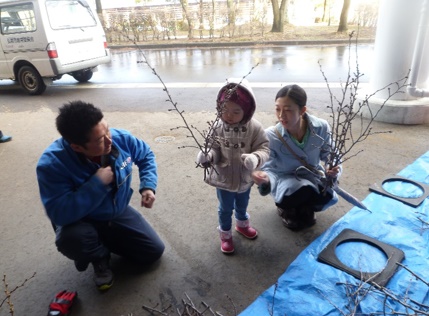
[[394, 50]]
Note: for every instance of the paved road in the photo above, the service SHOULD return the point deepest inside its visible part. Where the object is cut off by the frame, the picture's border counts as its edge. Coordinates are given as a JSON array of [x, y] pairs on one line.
[[209, 65]]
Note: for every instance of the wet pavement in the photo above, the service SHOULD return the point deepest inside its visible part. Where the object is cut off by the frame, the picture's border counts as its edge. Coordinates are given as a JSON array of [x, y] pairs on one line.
[[272, 64]]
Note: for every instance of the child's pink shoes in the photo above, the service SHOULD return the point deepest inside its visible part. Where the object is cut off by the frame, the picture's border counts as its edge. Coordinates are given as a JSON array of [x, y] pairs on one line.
[[244, 228], [226, 245]]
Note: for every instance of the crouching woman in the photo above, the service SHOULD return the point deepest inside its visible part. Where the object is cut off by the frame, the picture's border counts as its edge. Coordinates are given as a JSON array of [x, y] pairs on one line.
[[294, 175]]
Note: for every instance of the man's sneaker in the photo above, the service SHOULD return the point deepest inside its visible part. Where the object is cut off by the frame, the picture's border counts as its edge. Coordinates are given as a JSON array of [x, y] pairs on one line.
[[4, 138], [226, 244], [103, 276], [244, 228], [81, 265]]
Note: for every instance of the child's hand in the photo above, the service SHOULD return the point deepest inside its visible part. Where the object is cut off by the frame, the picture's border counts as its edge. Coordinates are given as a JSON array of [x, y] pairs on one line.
[[203, 158], [250, 161]]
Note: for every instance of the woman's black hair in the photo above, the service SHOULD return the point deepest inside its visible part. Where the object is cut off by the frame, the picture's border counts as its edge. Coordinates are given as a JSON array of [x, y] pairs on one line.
[[295, 92]]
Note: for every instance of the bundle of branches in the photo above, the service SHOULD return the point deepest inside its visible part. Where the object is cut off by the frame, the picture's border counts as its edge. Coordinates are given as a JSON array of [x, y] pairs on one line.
[[382, 300], [345, 113], [188, 309], [203, 140], [210, 136]]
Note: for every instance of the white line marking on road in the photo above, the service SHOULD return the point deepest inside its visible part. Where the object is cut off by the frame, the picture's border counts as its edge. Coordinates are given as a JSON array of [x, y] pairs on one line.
[[187, 85]]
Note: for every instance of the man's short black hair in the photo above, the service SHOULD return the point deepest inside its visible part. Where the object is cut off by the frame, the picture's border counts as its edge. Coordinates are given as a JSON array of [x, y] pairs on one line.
[[75, 121]]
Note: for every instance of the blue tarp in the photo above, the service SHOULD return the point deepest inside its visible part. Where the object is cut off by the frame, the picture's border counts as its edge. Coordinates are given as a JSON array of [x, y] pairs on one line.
[[310, 287]]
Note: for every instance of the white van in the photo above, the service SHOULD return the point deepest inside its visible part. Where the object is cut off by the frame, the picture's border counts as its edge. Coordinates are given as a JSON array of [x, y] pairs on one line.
[[41, 40]]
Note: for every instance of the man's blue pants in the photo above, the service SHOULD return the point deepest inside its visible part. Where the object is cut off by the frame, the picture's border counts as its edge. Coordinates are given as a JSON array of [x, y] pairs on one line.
[[128, 235]]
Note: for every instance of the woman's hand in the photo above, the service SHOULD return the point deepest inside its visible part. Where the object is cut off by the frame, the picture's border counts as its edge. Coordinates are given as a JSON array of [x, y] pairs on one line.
[[260, 177], [333, 172]]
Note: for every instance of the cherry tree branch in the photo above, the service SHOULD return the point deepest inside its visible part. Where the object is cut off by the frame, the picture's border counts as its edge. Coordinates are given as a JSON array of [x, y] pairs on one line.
[[203, 140]]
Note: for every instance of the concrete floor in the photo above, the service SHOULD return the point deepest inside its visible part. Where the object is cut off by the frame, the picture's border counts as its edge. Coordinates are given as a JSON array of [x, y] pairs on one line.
[[185, 215]]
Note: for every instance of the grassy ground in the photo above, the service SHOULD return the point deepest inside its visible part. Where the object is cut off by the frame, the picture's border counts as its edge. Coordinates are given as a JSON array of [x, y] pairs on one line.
[[290, 33], [323, 33]]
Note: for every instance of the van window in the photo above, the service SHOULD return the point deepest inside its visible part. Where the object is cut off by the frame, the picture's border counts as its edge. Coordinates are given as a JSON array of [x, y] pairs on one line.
[[65, 14], [17, 19]]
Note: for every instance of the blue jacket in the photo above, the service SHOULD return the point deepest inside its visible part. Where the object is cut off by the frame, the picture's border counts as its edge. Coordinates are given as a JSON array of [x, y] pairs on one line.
[[282, 165], [70, 191]]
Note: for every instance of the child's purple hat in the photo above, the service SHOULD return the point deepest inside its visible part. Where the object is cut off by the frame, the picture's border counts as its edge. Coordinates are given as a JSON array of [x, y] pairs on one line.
[[239, 95]]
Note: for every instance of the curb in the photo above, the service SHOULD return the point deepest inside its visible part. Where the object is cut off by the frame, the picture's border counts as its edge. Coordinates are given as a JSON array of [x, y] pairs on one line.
[[242, 44]]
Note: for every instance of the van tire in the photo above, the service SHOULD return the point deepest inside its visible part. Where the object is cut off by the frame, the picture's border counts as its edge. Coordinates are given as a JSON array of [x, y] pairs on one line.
[[83, 75], [31, 81]]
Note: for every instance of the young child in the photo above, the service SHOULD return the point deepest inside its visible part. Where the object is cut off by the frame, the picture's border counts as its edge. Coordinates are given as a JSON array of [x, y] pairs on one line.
[[238, 146]]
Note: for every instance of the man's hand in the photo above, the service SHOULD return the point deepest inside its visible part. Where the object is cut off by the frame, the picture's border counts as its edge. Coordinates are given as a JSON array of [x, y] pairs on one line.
[[148, 197], [106, 175]]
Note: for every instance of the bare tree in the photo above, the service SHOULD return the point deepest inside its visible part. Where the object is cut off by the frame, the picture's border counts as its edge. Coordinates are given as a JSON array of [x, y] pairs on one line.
[[136, 21], [98, 7], [212, 17], [187, 15], [325, 3], [342, 27], [201, 18], [367, 14], [279, 15], [231, 16]]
